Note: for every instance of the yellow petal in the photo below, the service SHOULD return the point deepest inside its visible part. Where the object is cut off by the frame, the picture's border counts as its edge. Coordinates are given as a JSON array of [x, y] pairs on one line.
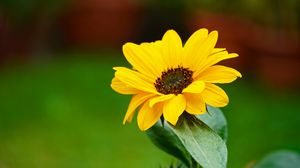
[[194, 103], [193, 42], [136, 101], [140, 60], [220, 56], [195, 37], [197, 55], [195, 87], [217, 50], [214, 96], [122, 88], [214, 59], [216, 56], [155, 51], [158, 43], [219, 74], [172, 48], [160, 98], [173, 108], [134, 79], [148, 116]]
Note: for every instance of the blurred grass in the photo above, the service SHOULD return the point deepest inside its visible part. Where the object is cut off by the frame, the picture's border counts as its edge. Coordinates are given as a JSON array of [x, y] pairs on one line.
[[62, 113]]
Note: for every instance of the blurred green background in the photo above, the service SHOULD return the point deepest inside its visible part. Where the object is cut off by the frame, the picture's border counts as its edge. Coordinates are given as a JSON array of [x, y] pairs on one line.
[[56, 57]]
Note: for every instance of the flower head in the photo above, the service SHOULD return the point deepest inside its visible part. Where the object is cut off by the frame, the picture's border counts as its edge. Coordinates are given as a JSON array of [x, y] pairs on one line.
[[169, 78]]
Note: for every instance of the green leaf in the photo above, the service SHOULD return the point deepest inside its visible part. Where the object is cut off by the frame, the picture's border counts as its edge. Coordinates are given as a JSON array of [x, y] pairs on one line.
[[280, 159], [204, 144], [164, 138], [216, 120]]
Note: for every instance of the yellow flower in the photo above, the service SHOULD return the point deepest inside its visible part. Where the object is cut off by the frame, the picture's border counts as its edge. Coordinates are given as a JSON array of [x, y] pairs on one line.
[[169, 78]]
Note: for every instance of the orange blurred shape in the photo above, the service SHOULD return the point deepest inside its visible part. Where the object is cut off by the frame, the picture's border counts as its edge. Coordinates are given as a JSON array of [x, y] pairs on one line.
[[273, 54]]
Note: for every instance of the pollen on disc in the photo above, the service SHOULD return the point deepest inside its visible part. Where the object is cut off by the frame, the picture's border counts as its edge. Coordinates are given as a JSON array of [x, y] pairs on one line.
[[174, 80]]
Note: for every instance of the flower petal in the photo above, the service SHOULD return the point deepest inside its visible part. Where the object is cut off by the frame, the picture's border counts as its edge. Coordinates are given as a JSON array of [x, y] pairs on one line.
[[220, 56], [154, 49], [140, 60], [213, 59], [172, 48], [148, 116], [217, 50], [219, 74], [196, 56], [194, 103], [122, 88], [173, 108], [194, 41], [161, 98], [195, 37], [134, 79], [135, 101], [214, 96], [195, 87]]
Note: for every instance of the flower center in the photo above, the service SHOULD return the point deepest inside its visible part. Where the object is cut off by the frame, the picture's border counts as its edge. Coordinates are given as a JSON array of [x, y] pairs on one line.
[[174, 80]]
